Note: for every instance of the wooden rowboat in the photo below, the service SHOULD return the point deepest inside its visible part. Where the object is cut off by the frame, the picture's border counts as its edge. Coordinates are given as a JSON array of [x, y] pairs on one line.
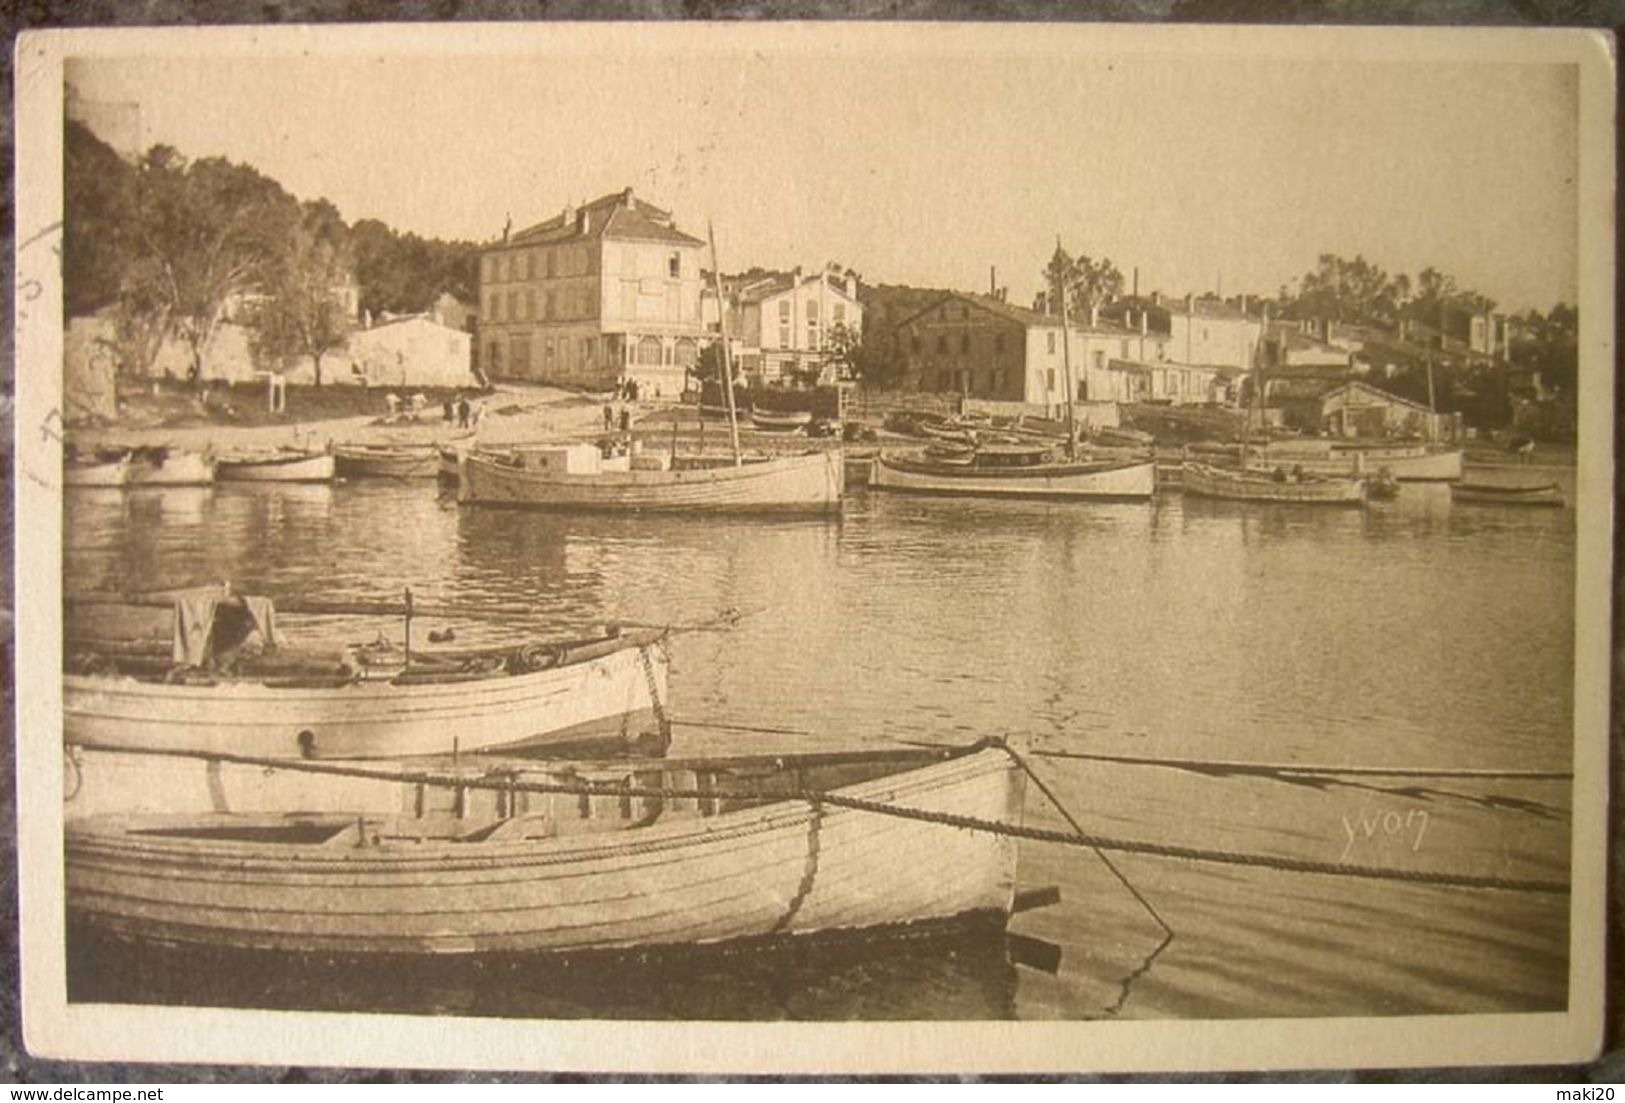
[[92, 473], [552, 479], [170, 467], [1544, 494], [656, 854], [370, 702], [386, 461], [1014, 471], [1239, 485], [285, 465], [780, 421]]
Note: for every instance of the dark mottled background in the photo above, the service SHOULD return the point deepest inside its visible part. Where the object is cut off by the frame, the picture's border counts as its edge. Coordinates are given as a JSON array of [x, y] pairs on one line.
[[20, 15]]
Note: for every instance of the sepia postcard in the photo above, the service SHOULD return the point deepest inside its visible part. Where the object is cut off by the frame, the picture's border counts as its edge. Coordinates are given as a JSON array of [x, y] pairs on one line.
[[813, 548]]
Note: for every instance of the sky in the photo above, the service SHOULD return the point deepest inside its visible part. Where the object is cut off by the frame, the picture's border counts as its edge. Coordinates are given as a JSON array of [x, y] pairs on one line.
[[928, 167]]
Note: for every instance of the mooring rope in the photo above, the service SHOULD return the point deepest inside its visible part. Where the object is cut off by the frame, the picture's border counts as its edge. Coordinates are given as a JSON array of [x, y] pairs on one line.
[[858, 804], [1219, 766]]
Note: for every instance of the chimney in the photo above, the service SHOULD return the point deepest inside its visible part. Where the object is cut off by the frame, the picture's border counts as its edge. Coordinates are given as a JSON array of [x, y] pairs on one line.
[[1136, 281], [992, 281], [1244, 305], [1156, 298], [1145, 322], [1094, 316], [569, 215], [626, 197], [851, 286]]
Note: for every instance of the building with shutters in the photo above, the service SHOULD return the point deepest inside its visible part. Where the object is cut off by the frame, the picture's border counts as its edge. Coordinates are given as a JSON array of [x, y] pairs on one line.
[[598, 293]]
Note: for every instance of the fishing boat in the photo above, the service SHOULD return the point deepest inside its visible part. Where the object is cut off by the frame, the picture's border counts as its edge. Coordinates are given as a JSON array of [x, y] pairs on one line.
[[227, 681], [579, 477], [582, 477], [386, 461], [578, 859], [280, 465], [1543, 494], [1407, 462], [780, 421], [96, 473], [1251, 485], [1014, 471], [164, 466]]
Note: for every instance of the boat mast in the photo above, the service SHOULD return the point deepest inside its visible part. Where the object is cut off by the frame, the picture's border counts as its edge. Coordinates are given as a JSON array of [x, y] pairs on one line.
[[727, 367], [1066, 363]]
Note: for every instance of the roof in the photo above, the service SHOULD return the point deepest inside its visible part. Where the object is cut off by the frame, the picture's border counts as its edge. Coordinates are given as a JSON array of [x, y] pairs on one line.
[[619, 215], [1205, 307], [1030, 319]]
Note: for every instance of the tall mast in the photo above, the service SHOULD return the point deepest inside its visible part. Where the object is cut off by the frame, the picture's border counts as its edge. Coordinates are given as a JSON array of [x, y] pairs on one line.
[[727, 367], [1066, 361]]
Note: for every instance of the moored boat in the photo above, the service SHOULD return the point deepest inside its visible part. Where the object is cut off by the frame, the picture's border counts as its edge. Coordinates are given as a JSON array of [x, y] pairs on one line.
[[96, 473], [282, 465], [780, 421], [1014, 471], [642, 855], [1542, 494], [227, 682], [1250, 485], [1407, 462], [578, 477], [170, 467], [386, 461]]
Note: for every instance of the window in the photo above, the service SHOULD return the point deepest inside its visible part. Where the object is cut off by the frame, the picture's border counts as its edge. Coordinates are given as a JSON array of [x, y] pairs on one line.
[[1051, 336], [942, 342], [784, 310], [490, 306], [588, 350], [488, 269], [998, 342], [649, 351], [1049, 380], [674, 265], [496, 306], [812, 310], [1124, 354], [688, 353], [1100, 359], [496, 358], [547, 305], [784, 337], [530, 302], [964, 312], [551, 264], [964, 342], [530, 265], [839, 317], [547, 350], [513, 305]]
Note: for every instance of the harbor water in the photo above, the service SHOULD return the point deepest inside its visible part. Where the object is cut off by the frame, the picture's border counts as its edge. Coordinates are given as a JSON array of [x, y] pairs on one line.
[[1413, 633]]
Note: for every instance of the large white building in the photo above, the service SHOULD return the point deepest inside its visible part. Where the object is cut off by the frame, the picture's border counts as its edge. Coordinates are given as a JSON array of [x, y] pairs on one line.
[[597, 293]]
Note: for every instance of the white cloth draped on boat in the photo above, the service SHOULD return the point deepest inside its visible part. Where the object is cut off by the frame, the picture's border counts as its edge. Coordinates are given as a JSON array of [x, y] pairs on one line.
[[212, 627]]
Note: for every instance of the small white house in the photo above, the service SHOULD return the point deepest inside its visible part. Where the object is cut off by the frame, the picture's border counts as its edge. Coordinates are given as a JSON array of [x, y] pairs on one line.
[[415, 351]]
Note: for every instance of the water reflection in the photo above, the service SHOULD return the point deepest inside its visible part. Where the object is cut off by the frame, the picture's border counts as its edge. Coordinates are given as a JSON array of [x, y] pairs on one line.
[[1413, 632]]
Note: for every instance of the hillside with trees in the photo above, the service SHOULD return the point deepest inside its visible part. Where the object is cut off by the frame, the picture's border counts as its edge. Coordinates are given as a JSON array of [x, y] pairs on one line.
[[163, 245]]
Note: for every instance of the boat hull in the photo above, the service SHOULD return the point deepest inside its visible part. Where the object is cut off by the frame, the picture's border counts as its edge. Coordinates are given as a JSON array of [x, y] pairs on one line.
[[102, 475], [176, 469], [295, 469], [807, 484], [1200, 480], [576, 702], [784, 868], [386, 463], [1549, 495], [1123, 482], [780, 423]]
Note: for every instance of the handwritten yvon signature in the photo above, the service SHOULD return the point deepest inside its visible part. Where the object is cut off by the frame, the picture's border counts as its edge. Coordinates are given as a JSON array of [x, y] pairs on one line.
[[1411, 825]]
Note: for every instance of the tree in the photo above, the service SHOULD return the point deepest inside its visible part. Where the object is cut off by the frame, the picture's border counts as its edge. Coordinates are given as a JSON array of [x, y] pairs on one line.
[[204, 232], [1087, 282], [301, 312], [1355, 291], [98, 204]]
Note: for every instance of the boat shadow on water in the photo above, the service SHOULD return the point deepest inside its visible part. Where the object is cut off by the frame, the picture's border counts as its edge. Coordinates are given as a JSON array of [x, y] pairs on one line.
[[961, 969]]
